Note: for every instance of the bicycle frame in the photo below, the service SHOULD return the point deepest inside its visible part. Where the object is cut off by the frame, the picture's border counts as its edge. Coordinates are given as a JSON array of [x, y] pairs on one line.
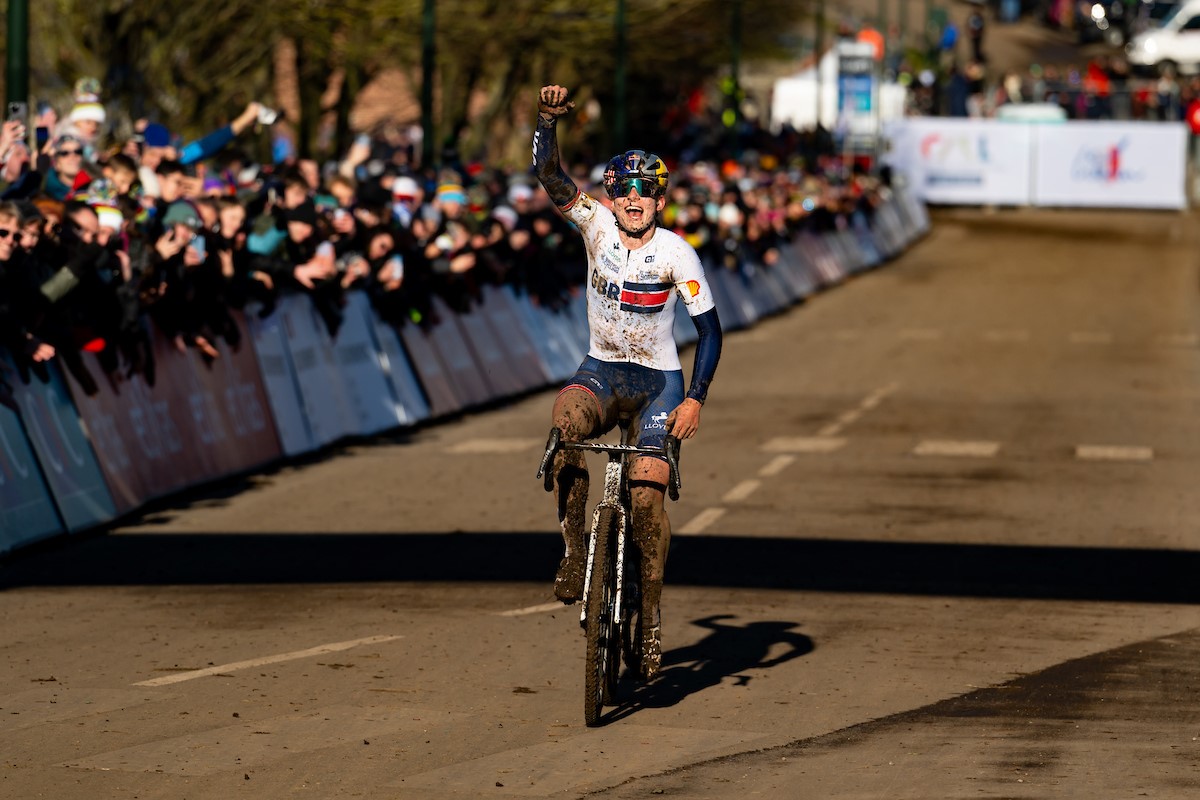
[[614, 475], [605, 627]]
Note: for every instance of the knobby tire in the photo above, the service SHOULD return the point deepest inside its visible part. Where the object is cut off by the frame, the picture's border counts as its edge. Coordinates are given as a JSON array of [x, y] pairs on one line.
[[599, 628]]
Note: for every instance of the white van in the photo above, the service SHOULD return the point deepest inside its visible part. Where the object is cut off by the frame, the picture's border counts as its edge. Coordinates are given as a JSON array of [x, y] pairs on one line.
[[1174, 45]]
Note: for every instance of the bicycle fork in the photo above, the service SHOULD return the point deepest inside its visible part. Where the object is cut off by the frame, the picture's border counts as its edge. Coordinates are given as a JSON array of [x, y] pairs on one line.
[[612, 500]]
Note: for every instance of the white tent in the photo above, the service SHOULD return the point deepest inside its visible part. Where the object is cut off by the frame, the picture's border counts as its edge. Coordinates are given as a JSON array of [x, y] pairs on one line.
[[794, 99]]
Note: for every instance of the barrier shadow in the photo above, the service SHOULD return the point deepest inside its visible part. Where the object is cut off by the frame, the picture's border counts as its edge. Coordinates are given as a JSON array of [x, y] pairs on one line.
[[796, 564]]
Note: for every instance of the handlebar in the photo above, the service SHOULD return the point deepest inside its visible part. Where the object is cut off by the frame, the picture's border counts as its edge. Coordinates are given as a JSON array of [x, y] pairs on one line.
[[670, 450]]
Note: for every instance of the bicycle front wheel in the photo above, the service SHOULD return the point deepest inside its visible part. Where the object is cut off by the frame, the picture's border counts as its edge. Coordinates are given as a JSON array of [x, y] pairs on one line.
[[599, 626]]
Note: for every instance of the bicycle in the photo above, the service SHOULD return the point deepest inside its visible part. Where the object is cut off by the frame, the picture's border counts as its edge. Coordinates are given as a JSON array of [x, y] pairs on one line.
[[611, 616]]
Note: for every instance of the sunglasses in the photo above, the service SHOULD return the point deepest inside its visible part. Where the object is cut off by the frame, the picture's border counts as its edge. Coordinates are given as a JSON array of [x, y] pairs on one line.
[[69, 153], [645, 187]]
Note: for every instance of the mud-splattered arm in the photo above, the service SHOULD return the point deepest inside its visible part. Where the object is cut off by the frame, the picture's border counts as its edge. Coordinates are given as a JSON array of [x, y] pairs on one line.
[[558, 184], [552, 104]]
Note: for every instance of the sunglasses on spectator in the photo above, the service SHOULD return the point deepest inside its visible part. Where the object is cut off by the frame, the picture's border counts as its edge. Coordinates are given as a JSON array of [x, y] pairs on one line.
[[5, 233], [645, 187], [69, 152]]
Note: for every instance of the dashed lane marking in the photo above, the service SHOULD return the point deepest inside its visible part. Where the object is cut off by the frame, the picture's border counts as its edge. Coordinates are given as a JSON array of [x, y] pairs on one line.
[[957, 449], [1093, 452], [803, 444], [1011, 336], [320, 650], [492, 446], [541, 608], [702, 520], [849, 417], [741, 491], [1179, 339], [775, 466]]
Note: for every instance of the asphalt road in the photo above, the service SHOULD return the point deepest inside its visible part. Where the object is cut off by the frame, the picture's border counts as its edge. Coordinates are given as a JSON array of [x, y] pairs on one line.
[[938, 539]]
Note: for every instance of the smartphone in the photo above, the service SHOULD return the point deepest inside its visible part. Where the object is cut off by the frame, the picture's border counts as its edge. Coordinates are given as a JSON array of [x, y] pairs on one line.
[[19, 112], [198, 245], [43, 136]]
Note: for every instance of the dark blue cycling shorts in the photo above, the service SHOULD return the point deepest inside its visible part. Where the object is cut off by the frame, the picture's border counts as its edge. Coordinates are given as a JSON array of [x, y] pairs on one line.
[[636, 397]]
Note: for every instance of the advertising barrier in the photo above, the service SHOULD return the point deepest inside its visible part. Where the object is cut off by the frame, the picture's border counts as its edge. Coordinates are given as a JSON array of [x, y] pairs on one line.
[[64, 452], [69, 461], [1075, 163], [197, 423], [964, 161], [279, 380], [1111, 165], [27, 511]]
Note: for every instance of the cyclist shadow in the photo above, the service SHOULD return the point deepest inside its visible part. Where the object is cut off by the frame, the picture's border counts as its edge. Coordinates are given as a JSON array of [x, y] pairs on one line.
[[728, 651]]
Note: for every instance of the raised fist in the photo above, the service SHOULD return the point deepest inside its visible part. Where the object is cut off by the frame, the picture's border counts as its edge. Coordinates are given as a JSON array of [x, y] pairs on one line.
[[553, 102]]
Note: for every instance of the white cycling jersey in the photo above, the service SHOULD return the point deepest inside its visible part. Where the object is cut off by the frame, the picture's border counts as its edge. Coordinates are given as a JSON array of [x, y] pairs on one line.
[[630, 302]]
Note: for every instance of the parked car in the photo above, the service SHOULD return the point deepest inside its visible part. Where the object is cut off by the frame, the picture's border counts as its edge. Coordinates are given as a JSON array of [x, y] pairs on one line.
[[1174, 45]]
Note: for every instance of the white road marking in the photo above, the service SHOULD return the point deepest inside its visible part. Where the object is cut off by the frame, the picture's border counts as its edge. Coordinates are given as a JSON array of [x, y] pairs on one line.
[[921, 334], [848, 417], [956, 449], [1091, 337], [538, 609], [1180, 339], [1093, 452], [1007, 336], [702, 520], [803, 444], [775, 466], [258, 662], [492, 446], [741, 491]]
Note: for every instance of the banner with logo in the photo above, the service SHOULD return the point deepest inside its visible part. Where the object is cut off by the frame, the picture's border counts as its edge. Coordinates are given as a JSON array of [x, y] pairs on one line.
[[1111, 165], [27, 512], [196, 423], [279, 380], [64, 450], [964, 161]]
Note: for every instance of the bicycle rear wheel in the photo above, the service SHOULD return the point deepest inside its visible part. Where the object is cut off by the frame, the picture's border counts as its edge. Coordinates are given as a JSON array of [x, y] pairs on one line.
[[599, 680]]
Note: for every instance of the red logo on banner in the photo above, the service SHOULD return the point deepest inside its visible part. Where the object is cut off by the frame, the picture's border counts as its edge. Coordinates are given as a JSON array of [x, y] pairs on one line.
[[1193, 117]]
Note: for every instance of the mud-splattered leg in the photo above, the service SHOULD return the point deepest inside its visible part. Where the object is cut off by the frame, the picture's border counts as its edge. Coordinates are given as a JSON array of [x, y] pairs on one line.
[[652, 532], [576, 415]]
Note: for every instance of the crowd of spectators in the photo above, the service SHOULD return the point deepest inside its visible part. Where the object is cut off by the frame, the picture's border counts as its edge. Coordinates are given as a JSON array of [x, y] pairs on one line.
[[103, 239], [1102, 88]]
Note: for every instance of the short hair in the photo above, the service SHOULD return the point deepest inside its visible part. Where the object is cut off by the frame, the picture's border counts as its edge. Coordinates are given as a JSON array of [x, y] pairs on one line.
[[122, 162], [73, 207], [11, 209], [343, 180], [169, 166]]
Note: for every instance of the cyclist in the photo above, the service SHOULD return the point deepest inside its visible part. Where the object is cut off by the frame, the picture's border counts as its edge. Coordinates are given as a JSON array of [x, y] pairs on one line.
[[632, 372]]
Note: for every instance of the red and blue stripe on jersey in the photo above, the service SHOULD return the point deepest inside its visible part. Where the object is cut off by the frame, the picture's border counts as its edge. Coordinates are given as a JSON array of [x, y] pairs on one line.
[[645, 298]]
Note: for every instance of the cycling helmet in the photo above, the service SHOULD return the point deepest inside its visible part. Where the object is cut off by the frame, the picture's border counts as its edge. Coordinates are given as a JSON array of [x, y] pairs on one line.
[[636, 169]]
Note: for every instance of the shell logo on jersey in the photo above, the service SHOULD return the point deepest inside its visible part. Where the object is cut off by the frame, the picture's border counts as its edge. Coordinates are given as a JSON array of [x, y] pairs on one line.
[[693, 288]]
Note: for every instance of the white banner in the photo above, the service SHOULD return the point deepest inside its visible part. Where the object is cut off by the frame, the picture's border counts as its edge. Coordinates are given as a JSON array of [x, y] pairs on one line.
[[963, 161], [1111, 165]]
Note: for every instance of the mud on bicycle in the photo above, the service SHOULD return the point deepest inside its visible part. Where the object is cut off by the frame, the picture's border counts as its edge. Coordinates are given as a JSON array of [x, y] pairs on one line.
[[611, 613]]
